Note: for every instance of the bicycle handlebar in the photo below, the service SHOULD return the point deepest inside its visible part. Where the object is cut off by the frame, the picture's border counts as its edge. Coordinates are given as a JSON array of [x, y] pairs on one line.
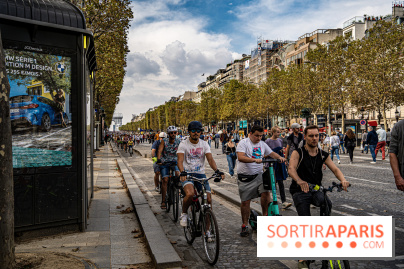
[[203, 179], [270, 160], [314, 187]]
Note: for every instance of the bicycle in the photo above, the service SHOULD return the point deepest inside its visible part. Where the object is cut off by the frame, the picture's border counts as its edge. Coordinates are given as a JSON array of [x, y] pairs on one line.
[[130, 150], [337, 264], [204, 225], [273, 208], [172, 195]]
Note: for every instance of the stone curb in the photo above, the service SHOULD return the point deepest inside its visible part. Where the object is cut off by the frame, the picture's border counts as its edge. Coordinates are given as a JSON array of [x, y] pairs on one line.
[[163, 253]]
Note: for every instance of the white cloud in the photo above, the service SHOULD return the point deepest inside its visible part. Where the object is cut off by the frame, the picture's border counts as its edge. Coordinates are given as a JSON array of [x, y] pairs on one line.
[[289, 19], [167, 58]]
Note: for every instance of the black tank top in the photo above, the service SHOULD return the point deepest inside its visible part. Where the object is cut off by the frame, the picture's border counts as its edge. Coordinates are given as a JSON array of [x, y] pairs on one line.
[[310, 168]]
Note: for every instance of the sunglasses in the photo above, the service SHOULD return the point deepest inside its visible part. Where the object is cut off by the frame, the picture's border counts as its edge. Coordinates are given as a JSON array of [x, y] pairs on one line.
[[195, 131], [172, 133]]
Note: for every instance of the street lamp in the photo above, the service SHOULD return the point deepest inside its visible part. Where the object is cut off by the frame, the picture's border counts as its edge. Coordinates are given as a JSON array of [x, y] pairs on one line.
[[397, 113], [362, 110]]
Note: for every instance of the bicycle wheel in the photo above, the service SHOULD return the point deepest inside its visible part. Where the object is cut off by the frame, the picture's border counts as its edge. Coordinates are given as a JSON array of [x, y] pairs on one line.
[[189, 231], [175, 198], [335, 264], [210, 236], [168, 197]]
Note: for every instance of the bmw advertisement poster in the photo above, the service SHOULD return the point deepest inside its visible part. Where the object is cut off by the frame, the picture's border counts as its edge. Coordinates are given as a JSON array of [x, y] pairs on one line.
[[40, 108]]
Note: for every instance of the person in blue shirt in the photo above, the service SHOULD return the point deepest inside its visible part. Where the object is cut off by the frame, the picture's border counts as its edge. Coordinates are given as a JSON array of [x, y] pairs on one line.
[[156, 167], [372, 141]]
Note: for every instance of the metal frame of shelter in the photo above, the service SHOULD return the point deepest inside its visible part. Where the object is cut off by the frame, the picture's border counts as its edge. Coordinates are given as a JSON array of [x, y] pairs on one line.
[[54, 197]]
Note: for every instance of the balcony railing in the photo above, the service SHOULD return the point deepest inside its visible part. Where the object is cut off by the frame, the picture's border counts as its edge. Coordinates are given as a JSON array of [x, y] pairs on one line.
[[352, 21], [318, 31]]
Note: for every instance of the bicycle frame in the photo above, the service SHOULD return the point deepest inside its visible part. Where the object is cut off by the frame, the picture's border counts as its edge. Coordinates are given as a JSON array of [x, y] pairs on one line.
[[327, 212]]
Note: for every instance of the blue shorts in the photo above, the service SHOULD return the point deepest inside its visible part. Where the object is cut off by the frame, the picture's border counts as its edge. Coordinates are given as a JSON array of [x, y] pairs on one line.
[[198, 185], [165, 170], [156, 168]]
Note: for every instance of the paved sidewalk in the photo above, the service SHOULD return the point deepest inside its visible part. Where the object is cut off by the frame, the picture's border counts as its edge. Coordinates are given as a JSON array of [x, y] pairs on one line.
[[113, 239]]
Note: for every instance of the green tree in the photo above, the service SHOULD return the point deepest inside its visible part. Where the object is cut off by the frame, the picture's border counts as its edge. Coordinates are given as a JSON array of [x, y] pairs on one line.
[[109, 22], [376, 72], [332, 62]]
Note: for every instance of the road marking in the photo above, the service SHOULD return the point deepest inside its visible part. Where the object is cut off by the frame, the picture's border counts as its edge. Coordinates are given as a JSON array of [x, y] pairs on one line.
[[373, 214], [367, 180], [363, 158], [350, 207], [54, 133], [366, 166]]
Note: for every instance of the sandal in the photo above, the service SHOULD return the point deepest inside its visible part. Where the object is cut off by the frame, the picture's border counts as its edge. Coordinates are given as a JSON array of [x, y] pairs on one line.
[[163, 205]]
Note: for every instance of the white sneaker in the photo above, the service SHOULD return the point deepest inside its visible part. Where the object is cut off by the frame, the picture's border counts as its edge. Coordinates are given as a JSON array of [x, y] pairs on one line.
[[372, 162], [286, 205], [157, 189], [339, 162], [184, 220], [209, 236]]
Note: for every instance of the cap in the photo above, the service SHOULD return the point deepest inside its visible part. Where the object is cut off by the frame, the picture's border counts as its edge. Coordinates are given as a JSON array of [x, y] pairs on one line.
[[163, 135], [295, 125]]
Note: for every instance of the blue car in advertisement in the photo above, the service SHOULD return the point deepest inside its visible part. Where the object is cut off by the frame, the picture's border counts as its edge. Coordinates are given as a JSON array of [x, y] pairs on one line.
[[35, 111]]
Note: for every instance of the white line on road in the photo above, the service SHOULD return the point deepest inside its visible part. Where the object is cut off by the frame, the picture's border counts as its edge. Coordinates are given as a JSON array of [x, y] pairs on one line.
[[373, 214], [367, 180], [54, 133], [358, 157], [350, 207], [366, 166]]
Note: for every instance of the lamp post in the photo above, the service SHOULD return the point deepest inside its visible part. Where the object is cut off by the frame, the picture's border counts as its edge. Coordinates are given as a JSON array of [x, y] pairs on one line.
[[362, 113], [397, 114]]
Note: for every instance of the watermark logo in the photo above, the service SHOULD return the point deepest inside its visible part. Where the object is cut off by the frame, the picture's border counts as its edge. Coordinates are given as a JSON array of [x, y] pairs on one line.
[[333, 237]]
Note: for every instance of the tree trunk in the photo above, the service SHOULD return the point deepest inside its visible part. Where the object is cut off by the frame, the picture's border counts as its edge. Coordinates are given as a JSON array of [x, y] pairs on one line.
[[343, 121], [384, 117], [7, 257]]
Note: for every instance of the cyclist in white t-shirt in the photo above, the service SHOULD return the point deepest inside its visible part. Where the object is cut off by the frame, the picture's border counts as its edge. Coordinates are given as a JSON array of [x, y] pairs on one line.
[[191, 161], [250, 152]]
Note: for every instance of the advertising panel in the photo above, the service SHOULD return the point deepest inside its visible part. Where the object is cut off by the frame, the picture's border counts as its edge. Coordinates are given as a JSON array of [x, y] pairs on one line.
[[326, 237], [40, 109], [247, 64]]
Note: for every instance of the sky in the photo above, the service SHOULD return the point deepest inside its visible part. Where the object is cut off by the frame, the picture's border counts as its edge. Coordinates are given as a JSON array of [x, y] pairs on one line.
[[173, 43]]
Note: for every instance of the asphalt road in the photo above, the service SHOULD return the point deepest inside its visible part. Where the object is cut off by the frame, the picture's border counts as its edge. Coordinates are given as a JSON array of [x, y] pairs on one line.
[[373, 193]]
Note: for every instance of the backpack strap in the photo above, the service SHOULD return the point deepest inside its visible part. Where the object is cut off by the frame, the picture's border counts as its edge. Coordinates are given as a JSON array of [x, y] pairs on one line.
[[300, 151]]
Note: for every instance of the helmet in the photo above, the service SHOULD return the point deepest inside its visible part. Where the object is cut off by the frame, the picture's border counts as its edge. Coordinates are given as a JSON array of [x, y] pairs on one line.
[[163, 135], [195, 125], [171, 129]]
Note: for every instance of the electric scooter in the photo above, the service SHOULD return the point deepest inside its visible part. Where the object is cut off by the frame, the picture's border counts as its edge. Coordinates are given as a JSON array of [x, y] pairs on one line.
[[273, 208]]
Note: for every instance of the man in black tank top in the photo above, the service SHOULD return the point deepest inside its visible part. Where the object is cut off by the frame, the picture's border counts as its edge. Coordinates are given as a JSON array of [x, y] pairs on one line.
[[306, 167]]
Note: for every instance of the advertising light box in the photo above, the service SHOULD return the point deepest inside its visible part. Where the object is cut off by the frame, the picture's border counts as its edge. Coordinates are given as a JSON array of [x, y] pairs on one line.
[[40, 107]]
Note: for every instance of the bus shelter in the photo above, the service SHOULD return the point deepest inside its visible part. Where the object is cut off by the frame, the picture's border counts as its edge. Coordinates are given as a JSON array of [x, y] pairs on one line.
[[50, 61]]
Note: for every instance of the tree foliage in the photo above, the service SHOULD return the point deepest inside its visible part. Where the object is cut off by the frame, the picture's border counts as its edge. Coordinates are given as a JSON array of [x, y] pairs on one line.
[[109, 22], [342, 74]]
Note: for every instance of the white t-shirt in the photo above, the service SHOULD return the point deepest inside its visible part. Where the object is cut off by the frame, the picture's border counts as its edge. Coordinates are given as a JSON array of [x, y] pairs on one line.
[[194, 159], [334, 140], [255, 151]]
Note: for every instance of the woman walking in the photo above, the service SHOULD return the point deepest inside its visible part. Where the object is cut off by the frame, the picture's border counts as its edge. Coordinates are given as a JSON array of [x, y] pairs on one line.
[[334, 141], [275, 143], [231, 154], [350, 143]]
